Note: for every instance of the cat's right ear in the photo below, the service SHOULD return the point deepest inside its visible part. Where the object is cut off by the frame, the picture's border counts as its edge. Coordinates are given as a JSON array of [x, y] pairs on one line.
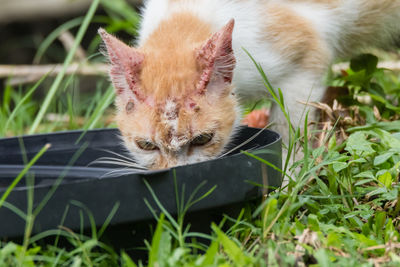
[[217, 61], [126, 64]]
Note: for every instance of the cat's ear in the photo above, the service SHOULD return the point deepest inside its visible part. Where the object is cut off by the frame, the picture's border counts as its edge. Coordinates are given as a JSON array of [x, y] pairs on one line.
[[126, 64], [217, 60]]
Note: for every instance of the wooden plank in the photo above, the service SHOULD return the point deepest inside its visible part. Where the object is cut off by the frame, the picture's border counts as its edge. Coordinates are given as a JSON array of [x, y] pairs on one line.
[[26, 10]]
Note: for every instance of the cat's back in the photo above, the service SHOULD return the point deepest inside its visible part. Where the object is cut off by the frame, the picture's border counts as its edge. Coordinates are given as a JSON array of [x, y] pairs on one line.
[[254, 22], [214, 12]]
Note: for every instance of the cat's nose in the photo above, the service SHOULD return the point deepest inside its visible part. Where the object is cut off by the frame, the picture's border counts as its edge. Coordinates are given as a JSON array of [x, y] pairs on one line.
[[176, 158], [165, 161]]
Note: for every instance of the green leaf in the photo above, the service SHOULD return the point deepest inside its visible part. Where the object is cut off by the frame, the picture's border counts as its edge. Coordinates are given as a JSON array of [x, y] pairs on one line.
[[366, 174], [365, 241], [360, 160], [378, 191], [333, 239], [357, 144], [313, 222], [386, 179], [77, 262], [322, 257], [127, 261], [390, 231], [387, 138], [382, 158], [338, 166], [364, 181], [270, 211], [332, 142], [391, 195], [366, 229], [383, 125], [211, 254], [234, 252], [365, 62], [176, 256], [156, 242], [380, 219]]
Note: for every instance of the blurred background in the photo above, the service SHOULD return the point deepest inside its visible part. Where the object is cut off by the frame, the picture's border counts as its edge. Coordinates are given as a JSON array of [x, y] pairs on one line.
[[36, 37], [25, 25]]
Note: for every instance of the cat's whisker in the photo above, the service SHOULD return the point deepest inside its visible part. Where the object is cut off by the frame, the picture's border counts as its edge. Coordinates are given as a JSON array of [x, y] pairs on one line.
[[118, 154], [119, 172], [120, 160], [190, 71], [136, 167], [245, 142], [112, 160], [117, 162]]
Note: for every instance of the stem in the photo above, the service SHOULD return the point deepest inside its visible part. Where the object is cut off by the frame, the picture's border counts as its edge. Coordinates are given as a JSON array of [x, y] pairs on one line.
[[54, 87]]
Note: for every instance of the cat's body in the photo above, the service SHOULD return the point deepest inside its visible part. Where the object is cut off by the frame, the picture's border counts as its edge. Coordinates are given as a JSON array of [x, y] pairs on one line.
[[188, 63]]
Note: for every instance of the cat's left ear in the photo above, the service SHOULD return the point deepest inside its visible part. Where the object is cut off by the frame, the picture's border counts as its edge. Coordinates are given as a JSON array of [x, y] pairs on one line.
[[216, 60], [126, 64]]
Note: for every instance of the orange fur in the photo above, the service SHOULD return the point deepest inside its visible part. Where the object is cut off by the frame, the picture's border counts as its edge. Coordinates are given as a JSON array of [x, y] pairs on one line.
[[177, 86], [171, 69], [371, 25], [168, 77], [330, 3], [295, 38], [213, 116]]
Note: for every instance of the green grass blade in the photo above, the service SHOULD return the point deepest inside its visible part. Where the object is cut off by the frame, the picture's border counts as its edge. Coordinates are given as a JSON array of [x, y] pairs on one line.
[[53, 36], [233, 251], [104, 103], [108, 219], [90, 216], [14, 209], [64, 216], [54, 87], [162, 208], [155, 244], [126, 260], [123, 8], [22, 173], [49, 194], [22, 101]]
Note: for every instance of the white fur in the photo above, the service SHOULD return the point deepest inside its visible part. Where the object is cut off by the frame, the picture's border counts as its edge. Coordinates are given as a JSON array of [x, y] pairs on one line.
[[172, 123], [246, 34], [248, 28], [332, 25]]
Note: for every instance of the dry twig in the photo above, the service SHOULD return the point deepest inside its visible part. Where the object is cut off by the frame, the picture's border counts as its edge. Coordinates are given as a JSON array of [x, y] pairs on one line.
[[31, 73], [68, 40]]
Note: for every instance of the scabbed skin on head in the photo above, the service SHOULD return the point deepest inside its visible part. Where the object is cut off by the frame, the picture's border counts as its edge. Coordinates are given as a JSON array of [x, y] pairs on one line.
[[174, 102]]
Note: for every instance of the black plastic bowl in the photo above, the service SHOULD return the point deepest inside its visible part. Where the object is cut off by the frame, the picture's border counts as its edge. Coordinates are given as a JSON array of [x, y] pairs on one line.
[[237, 178]]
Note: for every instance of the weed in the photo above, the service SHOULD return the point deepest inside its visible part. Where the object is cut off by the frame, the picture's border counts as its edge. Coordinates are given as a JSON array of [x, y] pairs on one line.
[[340, 207]]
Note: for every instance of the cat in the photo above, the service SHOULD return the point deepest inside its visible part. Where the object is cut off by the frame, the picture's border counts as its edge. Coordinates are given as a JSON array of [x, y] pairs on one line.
[[179, 91]]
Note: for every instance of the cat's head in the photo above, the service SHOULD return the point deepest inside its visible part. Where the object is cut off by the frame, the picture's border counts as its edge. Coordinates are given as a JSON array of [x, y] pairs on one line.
[[174, 107]]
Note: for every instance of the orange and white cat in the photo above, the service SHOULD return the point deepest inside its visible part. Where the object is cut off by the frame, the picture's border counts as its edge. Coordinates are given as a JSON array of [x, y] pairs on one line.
[[179, 91]]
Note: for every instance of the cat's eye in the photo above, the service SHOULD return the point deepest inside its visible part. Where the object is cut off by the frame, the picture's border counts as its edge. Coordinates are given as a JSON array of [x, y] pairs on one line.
[[202, 139], [146, 145]]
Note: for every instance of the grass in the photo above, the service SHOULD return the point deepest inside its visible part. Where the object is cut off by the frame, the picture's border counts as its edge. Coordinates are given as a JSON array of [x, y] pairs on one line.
[[340, 206]]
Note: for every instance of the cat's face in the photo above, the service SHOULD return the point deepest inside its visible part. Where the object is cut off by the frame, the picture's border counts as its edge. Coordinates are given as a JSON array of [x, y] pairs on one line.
[[174, 107]]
